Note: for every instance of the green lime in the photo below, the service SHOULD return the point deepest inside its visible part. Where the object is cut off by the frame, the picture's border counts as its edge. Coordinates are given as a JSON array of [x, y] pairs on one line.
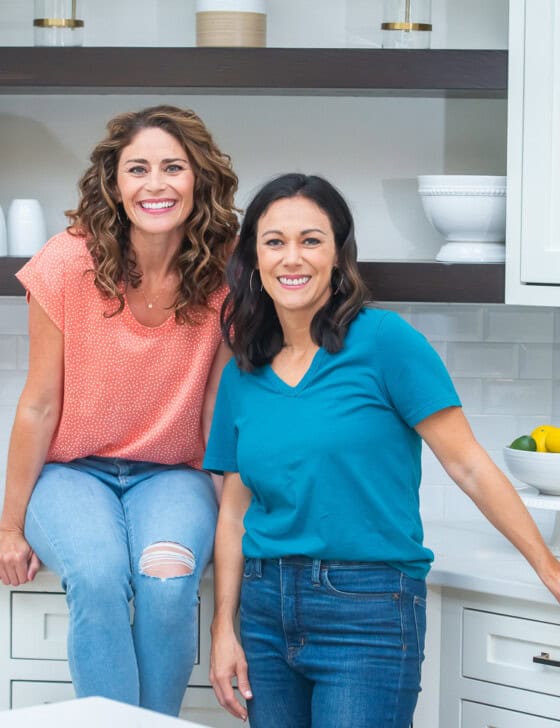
[[525, 442]]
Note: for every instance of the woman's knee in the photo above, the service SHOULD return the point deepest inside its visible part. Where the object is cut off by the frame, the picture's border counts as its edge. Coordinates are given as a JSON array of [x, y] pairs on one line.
[[166, 559]]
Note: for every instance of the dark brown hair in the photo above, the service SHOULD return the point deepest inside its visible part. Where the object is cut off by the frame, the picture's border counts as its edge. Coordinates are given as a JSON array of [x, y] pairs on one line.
[[209, 230]]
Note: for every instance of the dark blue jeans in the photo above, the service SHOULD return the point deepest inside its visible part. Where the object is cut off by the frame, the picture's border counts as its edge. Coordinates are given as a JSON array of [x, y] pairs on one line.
[[331, 644]]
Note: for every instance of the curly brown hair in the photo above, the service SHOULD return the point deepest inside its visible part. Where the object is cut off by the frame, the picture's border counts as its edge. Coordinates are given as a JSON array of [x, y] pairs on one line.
[[210, 229]]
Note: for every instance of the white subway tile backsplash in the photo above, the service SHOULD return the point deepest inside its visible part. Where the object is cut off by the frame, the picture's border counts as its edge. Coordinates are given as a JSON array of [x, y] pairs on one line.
[[504, 361], [13, 315], [449, 323], [516, 396], [494, 431], [470, 393], [535, 361], [8, 352], [519, 323], [482, 359], [11, 384]]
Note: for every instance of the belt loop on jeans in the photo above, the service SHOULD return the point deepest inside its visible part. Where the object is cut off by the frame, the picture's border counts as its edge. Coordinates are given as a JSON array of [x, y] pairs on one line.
[[316, 572], [257, 565]]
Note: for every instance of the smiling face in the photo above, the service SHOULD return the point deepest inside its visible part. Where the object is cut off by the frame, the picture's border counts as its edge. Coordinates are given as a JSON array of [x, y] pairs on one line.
[[296, 253], [155, 184]]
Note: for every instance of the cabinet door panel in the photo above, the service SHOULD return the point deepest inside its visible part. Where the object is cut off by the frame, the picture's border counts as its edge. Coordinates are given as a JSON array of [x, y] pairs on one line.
[[540, 230], [477, 715], [25, 693], [500, 649], [39, 626]]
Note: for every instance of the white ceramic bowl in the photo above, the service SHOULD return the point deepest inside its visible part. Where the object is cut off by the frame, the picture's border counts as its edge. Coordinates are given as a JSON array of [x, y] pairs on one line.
[[539, 469], [470, 212]]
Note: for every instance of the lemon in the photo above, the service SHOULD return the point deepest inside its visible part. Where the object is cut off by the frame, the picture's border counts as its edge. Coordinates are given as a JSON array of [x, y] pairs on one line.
[[525, 442], [539, 435], [552, 440]]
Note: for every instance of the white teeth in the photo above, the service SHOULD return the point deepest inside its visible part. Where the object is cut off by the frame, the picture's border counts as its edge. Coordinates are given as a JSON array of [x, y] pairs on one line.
[[156, 205], [293, 281]]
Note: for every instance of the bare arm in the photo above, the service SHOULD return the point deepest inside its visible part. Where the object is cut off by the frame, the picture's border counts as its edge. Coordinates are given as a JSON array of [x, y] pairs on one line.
[[227, 659], [221, 358], [450, 437], [36, 419]]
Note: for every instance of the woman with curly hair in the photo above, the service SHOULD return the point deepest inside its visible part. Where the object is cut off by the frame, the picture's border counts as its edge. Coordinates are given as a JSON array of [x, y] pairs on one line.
[[105, 483]]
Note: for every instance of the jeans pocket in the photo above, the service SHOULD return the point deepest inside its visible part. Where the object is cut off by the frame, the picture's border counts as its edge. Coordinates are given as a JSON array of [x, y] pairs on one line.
[[362, 583], [419, 607]]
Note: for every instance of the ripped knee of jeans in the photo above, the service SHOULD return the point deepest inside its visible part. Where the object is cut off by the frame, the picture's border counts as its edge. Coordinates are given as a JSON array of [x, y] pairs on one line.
[[166, 559]]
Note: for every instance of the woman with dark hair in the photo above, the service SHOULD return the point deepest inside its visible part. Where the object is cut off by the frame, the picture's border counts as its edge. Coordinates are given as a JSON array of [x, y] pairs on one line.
[[317, 428], [104, 480]]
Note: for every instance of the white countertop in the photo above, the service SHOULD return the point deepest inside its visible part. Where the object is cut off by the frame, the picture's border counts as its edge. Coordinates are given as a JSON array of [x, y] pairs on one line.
[[89, 713], [477, 558]]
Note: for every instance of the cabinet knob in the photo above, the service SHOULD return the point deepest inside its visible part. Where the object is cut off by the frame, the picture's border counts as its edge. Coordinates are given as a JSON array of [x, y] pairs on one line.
[[545, 659]]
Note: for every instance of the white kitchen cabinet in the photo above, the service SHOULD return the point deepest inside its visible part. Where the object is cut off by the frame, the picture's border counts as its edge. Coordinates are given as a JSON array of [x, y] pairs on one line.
[[488, 676], [533, 217], [33, 664], [476, 715]]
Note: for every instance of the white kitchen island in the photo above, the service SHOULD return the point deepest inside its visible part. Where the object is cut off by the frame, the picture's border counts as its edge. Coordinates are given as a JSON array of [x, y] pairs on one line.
[[488, 616]]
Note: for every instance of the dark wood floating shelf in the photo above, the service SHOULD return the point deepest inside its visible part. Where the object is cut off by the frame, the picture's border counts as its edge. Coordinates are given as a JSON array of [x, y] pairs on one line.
[[429, 281], [342, 71], [408, 281]]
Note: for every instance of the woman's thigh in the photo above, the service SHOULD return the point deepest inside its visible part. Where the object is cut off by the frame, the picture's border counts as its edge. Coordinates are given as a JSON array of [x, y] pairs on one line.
[[172, 507], [353, 632], [74, 522], [367, 625]]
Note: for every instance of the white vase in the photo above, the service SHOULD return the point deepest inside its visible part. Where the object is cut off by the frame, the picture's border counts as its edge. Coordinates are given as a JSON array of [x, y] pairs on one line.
[[27, 231], [3, 235]]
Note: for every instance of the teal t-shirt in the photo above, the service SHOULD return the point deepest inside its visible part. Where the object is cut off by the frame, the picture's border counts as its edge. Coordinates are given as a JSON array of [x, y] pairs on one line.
[[333, 463]]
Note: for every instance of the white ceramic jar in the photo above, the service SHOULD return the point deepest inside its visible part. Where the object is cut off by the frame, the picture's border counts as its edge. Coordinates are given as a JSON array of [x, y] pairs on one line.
[[227, 23], [27, 231]]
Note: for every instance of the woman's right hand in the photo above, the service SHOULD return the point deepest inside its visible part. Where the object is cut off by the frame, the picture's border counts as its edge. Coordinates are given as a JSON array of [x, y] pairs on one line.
[[227, 661], [18, 562]]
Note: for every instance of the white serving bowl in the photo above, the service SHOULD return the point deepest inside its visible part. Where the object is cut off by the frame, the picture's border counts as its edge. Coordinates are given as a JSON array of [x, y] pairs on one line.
[[469, 210], [539, 469]]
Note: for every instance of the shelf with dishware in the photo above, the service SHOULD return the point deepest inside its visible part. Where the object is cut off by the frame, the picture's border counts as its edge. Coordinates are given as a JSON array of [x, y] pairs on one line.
[[282, 71], [387, 280], [331, 71]]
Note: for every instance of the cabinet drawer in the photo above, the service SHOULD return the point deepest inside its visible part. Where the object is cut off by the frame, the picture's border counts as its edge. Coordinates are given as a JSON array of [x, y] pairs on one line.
[[500, 649], [477, 715], [25, 693], [39, 626]]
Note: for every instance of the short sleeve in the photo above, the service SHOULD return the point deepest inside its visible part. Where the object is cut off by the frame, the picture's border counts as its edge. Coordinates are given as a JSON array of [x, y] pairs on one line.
[[221, 451], [417, 382], [43, 277]]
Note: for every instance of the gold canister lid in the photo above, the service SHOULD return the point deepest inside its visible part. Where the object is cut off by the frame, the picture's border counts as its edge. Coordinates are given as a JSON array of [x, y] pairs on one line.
[[58, 23], [406, 26]]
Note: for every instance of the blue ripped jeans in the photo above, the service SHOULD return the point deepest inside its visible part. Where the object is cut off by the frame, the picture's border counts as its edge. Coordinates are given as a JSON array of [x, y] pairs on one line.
[[95, 522], [331, 644]]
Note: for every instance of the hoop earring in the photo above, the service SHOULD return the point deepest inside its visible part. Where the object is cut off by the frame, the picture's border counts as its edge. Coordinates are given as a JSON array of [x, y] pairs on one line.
[[340, 282], [251, 282]]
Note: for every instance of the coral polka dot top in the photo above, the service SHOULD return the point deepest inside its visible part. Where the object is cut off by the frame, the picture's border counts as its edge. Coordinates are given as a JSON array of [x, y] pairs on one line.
[[130, 391]]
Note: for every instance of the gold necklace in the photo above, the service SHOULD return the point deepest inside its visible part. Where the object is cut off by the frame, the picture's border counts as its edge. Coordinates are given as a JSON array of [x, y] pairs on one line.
[[150, 304]]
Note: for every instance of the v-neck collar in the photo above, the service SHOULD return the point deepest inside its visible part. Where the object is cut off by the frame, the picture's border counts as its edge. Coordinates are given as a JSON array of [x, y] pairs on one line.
[[282, 386]]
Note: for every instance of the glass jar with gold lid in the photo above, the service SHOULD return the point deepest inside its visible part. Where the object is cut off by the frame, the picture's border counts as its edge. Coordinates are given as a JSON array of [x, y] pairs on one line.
[[57, 23], [406, 24]]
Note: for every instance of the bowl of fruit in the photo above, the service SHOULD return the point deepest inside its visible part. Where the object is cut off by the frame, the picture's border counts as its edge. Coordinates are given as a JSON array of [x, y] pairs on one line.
[[535, 459]]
